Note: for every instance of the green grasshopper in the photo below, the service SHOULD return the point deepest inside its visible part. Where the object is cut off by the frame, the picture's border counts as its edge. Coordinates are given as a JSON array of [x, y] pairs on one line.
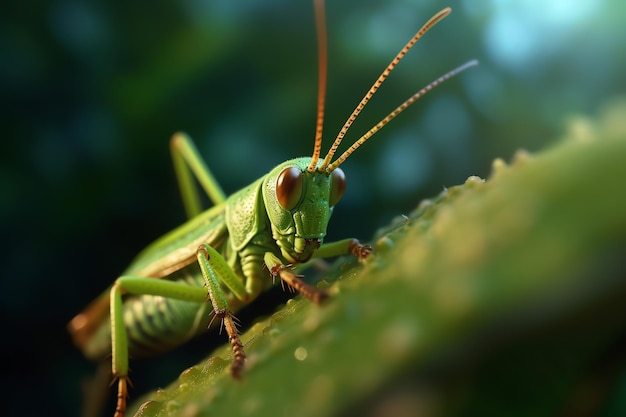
[[233, 251]]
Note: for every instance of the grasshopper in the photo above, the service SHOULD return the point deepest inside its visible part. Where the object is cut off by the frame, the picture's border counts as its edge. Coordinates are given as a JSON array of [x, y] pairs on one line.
[[229, 254]]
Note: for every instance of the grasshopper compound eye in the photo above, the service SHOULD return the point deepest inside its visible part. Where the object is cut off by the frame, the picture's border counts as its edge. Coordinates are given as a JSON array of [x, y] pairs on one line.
[[337, 187], [289, 187]]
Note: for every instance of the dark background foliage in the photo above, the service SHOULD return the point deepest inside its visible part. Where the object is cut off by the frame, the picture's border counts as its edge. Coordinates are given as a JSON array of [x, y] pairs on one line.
[[91, 92]]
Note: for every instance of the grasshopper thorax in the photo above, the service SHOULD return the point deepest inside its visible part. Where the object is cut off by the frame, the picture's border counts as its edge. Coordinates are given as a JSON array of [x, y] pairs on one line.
[[299, 204]]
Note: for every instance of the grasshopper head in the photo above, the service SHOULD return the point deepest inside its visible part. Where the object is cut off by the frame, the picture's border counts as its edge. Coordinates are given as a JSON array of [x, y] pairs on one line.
[[299, 204], [299, 195]]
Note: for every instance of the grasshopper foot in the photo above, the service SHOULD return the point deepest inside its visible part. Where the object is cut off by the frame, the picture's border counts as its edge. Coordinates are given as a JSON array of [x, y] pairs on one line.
[[239, 354], [122, 396], [359, 250], [292, 280]]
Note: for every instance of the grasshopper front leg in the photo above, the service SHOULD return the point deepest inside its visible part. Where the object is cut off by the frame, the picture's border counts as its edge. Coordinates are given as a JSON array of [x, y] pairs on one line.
[[278, 269], [215, 271], [344, 247], [328, 250]]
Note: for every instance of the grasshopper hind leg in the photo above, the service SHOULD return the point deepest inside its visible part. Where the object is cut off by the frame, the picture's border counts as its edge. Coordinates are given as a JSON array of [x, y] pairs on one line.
[[188, 163]]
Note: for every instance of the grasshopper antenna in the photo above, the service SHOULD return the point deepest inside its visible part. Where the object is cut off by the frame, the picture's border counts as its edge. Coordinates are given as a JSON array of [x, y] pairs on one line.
[[427, 26], [397, 111], [322, 48]]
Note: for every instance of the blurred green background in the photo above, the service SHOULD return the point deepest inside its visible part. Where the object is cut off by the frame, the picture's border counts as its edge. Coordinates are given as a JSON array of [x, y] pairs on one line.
[[92, 91]]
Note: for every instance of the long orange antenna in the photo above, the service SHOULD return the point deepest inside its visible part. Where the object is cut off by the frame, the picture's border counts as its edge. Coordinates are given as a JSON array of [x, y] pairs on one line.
[[322, 50], [397, 111], [427, 26]]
